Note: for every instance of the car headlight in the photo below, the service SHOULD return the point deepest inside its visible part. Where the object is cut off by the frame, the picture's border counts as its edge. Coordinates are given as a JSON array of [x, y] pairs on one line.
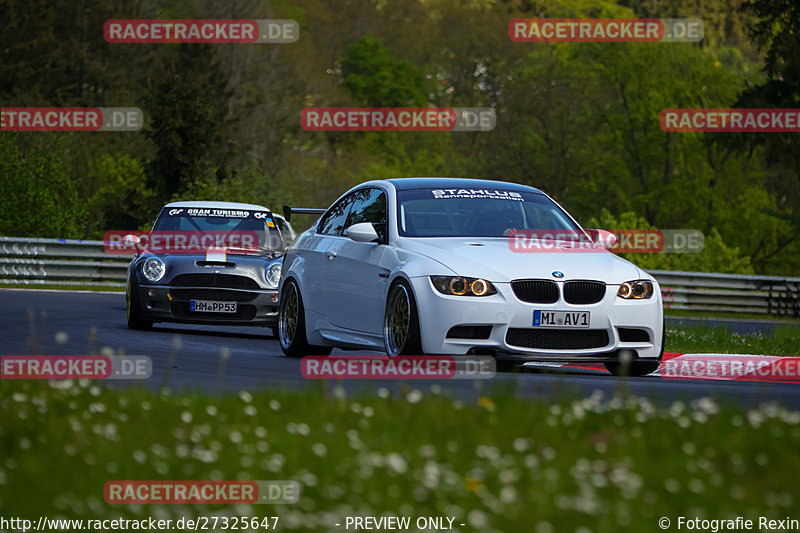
[[273, 275], [458, 286], [153, 269], [639, 289]]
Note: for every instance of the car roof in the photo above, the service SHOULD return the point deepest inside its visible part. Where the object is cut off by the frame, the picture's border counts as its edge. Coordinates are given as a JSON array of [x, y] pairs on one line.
[[218, 205], [451, 183]]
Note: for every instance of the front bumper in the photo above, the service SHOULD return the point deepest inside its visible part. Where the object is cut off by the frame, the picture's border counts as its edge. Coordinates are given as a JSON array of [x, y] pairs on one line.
[[513, 336], [164, 303]]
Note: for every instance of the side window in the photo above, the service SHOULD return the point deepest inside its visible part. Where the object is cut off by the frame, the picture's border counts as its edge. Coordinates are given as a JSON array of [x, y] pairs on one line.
[[369, 205], [276, 241], [332, 222], [283, 226]]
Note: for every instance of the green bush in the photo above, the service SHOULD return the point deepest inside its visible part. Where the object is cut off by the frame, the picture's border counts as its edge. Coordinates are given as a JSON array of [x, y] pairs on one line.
[[716, 256], [38, 196]]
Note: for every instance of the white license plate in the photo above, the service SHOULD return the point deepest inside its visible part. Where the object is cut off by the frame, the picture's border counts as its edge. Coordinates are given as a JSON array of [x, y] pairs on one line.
[[212, 306], [561, 319]]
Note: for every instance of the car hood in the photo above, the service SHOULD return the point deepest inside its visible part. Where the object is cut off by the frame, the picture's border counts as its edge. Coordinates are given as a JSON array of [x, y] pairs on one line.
[[213, 255], [493, 259], [253, 267]]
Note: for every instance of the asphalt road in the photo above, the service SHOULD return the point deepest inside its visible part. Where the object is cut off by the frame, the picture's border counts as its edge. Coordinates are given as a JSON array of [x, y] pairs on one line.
[[215, 359]]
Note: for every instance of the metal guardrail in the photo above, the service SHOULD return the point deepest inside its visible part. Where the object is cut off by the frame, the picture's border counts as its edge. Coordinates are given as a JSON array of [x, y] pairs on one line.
[[731, 293], [60, 262], [85, 263]]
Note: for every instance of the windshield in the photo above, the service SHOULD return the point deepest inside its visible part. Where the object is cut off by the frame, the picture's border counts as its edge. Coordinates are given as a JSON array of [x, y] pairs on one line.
[[240, 231], [476, 213]]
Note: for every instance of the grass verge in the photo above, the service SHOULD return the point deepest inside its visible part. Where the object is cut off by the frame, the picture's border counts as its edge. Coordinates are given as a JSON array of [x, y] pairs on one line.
[[784, 342], [501, 464]]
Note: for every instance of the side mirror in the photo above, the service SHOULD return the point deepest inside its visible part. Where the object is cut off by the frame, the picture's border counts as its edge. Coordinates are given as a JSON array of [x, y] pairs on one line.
[[131, 241], [602, 237], [362, 232]]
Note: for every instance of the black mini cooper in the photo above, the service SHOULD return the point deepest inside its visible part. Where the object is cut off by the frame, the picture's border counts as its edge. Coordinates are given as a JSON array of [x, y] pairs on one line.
[[206, 263]]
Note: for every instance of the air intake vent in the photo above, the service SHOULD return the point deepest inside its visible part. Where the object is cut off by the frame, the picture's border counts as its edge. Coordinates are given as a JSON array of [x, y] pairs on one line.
[[535, 291], [217, 281], [469, 332], [557, 339], [633, 335]]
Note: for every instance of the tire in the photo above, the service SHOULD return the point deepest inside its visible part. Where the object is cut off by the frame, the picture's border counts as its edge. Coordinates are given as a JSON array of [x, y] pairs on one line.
[[506, 365], [401, 335], [292, 325], [134, 313], [639, 368], [635, 368]]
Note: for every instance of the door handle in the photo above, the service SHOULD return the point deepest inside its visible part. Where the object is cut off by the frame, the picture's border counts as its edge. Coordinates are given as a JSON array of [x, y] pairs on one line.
[[330, 254]]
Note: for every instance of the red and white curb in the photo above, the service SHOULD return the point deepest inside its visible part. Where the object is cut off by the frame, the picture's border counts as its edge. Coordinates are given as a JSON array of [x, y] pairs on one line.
[[708, 366]]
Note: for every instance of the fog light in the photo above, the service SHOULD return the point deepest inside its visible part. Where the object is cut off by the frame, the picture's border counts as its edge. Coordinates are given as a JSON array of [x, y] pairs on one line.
[[274, 297], [152, 293]]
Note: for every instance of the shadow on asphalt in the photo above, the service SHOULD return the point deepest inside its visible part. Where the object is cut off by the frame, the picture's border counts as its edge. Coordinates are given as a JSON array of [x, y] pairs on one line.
[[186, 330]]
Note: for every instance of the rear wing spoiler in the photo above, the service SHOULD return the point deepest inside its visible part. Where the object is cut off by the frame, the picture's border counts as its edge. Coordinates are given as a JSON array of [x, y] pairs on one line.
[[287, 211]]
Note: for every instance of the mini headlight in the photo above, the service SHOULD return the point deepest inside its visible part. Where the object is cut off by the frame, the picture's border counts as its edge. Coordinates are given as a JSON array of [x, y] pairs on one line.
[[273, 275], [153, 269], [640, 289], [460, 286]]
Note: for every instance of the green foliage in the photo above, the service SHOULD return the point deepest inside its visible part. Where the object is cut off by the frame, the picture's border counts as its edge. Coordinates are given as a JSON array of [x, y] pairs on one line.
[[252, 185], [775, 30], [376, 79], [716, 256], [578, 120], [182, 129], [122, 199], [38, 196], [725, 24]]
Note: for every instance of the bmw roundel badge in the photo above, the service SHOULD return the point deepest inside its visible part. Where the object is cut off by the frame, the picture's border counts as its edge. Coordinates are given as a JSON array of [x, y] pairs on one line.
[[557, 274]]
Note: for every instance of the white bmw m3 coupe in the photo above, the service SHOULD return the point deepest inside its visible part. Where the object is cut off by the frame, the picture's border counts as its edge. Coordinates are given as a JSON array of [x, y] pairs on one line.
[[427, 266]]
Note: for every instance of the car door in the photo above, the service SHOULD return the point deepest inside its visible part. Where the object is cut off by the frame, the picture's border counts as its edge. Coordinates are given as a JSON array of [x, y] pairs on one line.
[[313, 258], [357, 282]]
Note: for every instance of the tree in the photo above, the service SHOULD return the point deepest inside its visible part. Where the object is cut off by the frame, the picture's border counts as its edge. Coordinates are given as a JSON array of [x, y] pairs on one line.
[[186, 113], [376, 79], [775, 30], [38, 195]]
